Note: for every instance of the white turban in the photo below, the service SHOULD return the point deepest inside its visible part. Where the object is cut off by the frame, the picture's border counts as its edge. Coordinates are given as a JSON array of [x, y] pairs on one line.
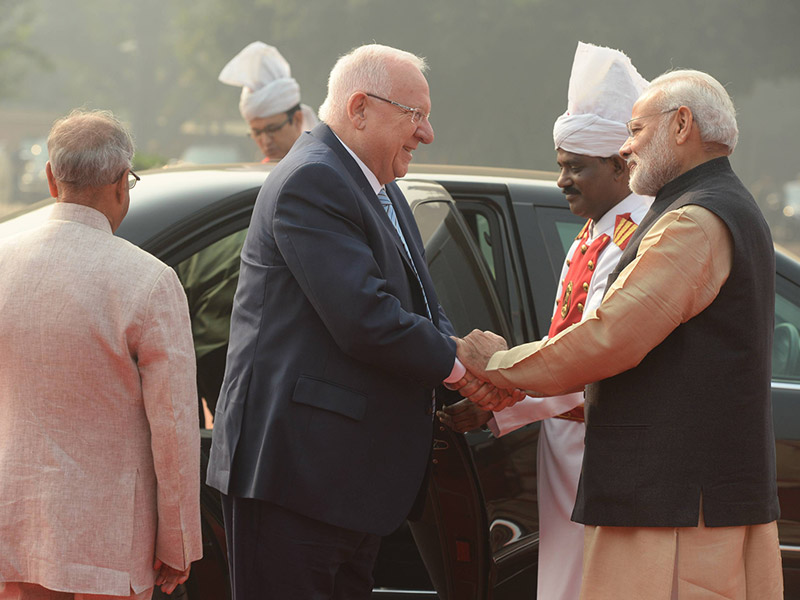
[[267, 84], [603, 87]]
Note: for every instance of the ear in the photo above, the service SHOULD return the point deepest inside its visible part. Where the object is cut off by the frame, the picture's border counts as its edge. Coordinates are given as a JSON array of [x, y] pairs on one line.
[[685, 122], [357, 109], [619, 165], [121, 187], [51, 180]]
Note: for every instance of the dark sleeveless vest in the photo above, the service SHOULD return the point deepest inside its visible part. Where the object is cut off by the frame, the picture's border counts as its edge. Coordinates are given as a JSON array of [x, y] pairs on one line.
[[694, 418]]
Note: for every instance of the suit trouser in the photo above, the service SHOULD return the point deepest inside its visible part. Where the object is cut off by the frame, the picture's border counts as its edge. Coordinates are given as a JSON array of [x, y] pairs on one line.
[[31, 591], [277, 553]]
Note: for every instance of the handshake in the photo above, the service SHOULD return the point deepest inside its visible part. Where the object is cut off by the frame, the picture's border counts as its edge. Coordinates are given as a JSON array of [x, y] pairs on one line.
[[474, 352]]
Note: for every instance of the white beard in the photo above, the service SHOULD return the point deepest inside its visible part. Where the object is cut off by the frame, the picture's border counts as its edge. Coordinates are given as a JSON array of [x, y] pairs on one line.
[[655, 166]]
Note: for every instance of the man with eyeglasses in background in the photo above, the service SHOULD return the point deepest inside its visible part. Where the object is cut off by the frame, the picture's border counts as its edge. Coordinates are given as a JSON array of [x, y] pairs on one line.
[[324, 425], [270, 100], [99, 461], [270, 103], [678, 490]]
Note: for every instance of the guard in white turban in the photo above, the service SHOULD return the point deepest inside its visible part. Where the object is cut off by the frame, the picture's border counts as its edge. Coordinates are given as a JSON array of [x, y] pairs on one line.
[[270, 101], [602, 89], [594, 178]]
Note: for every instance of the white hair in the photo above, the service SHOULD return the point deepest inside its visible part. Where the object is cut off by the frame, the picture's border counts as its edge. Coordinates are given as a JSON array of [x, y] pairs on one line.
[[363, 69], [89, 148], [711, 106]]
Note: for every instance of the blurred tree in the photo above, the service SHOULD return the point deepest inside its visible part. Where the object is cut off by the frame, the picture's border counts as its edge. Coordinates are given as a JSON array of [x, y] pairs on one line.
[[17, 55]]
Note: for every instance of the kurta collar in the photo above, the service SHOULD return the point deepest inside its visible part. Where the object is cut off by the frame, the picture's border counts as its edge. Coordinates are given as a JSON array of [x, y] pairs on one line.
[[78, 213]]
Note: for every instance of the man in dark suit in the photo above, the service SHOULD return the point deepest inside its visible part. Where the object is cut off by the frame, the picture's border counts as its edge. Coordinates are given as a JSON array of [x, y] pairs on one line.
[[324, 424]]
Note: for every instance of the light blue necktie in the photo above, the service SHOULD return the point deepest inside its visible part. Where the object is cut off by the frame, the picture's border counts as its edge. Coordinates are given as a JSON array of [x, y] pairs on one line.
[[389, 208]]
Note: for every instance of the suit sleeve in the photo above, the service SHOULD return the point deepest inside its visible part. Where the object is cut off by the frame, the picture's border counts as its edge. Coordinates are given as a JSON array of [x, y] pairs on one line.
[[319, 229], [167, 370]]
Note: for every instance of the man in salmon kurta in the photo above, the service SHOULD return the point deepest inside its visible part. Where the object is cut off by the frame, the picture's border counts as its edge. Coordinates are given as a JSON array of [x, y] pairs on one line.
[[99, 444], [678, 487]]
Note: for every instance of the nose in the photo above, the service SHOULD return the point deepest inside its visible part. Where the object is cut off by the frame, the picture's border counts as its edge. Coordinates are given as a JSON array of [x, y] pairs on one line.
[[625, 151], [564, 179], [425, 131]]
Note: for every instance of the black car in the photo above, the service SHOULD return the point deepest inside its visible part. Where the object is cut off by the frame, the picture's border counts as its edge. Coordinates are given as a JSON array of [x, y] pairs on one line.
[[495, 241]]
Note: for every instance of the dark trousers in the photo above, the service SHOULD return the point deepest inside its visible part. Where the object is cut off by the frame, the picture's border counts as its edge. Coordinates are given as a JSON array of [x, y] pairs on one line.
[[276, 553]]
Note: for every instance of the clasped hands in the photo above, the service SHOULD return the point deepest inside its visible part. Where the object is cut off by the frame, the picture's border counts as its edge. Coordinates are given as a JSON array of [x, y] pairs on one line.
[[474, 352]]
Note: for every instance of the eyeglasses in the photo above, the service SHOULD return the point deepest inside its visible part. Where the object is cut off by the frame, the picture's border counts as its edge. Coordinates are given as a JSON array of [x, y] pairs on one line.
[[132, 179], [417, 115], [632, 133], [271, 130]]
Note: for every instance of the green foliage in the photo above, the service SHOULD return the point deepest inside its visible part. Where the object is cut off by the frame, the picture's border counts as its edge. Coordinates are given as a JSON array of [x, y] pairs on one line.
[[17, 56], [499, 69], [143, 161]]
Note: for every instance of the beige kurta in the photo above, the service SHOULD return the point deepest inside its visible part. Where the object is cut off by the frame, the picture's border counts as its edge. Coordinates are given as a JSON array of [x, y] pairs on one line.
[[99, 444]]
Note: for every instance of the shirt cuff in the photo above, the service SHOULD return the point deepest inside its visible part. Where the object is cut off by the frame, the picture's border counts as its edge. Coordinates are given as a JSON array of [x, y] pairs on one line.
[[459, 370]]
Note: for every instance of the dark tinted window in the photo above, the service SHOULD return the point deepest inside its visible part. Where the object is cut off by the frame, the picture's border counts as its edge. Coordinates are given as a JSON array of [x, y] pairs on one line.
[[209, 278], [459, 275], [786, 343]]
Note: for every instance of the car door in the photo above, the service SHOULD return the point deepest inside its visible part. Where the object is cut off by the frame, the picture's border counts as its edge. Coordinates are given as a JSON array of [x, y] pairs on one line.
[[786, 412], [501, 472], [523, 229]]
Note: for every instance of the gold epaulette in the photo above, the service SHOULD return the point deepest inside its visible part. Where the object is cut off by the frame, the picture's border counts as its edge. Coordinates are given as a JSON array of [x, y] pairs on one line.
[[623, 230], [583, 230]]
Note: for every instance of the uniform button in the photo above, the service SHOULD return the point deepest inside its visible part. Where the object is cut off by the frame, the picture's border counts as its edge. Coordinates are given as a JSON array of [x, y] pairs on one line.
[[429, 411], [584, 248], [585, 287], [580, 307], [591, 265], [441, 428], [435, 461]]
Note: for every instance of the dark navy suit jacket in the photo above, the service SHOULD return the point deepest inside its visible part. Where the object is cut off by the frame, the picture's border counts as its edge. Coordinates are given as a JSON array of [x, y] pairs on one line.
[[325, 404]]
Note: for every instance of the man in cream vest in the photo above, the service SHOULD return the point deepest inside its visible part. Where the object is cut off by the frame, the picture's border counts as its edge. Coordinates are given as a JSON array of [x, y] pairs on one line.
[[99, 447]]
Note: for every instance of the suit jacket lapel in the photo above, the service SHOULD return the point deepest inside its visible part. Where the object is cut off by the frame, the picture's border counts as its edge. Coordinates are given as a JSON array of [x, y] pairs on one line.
[[393, 191], [324, 134]]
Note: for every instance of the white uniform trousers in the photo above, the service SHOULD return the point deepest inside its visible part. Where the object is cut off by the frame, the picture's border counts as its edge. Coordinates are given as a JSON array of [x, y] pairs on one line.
[[560, 539]]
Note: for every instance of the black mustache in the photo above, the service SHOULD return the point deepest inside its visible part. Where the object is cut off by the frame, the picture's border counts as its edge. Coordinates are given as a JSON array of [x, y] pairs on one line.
[[570, 191]]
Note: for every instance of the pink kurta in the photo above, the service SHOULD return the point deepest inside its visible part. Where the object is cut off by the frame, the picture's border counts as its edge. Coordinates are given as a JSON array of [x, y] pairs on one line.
[[99, 444]]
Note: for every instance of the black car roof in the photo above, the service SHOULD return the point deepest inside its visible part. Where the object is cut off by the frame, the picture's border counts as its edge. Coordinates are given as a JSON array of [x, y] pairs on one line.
[[171, 195]]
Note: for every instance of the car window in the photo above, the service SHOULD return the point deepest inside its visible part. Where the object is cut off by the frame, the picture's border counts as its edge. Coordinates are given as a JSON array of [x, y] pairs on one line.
[[483, 235], [209, 278], [786, 341], [484, 225], [567, 232], [458, 274]]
